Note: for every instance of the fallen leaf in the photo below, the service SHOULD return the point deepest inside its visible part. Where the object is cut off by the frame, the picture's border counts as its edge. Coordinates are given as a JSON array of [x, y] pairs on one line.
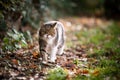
[[35, 54], [69, 65], [14, 61], [84, 71], [32, 66]]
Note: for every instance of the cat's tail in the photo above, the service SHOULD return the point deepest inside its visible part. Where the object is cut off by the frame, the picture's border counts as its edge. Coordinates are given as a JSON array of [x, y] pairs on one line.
[[61, 41]]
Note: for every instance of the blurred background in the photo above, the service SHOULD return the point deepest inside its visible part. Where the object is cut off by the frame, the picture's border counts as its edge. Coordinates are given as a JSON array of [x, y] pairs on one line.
[[19, 13]]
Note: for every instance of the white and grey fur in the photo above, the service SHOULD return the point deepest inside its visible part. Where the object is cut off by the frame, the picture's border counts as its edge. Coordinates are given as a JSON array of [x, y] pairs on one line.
[[55, 45]]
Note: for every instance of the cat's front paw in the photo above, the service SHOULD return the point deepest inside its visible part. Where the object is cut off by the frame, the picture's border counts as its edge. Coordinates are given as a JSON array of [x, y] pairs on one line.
[[52, 58], [44, 62], [51, 61], [48, 64]]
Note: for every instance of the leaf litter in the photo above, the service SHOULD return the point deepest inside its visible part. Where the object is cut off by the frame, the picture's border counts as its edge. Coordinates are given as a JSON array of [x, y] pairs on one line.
[[24, 64]]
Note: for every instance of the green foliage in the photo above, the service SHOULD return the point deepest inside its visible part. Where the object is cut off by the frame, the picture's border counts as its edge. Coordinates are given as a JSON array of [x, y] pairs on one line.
[[79, 77], [71, 7], [28, 36], [106, 48], [76, 61], [62, 6], [109, 68], [57, 73], [12, 10], [14, 40], [31, 14], [8, 8], [94, 36]]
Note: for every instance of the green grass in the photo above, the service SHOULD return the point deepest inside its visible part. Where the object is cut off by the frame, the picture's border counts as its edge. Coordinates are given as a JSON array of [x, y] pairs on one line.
[[57, 74], [106, 49], [90, 36]]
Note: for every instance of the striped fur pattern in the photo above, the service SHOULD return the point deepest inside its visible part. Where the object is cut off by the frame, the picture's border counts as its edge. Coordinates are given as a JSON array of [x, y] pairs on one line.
[[51, 40]]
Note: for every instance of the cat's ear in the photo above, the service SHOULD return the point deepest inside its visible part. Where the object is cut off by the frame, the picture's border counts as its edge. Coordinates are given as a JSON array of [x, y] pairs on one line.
[[54, 24]]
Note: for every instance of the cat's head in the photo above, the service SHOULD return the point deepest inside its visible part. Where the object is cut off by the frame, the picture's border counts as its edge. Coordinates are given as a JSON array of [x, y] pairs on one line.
[[48, 30]]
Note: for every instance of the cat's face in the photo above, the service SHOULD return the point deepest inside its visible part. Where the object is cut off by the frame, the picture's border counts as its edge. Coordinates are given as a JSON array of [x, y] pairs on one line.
[[47, 31]]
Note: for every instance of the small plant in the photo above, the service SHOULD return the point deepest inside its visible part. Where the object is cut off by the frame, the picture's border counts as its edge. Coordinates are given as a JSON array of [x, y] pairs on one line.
[[76, 61], [14, 40], [57, 74], [28, 36]]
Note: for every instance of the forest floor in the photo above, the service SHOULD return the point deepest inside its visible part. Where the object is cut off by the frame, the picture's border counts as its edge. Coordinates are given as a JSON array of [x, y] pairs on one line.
[[92, 52]]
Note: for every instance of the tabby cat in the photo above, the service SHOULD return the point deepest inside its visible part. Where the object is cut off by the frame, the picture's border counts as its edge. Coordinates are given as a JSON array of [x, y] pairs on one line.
[[51, 40]]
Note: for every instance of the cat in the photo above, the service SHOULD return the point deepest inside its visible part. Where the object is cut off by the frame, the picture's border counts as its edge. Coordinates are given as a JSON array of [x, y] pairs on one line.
[[51, 40]]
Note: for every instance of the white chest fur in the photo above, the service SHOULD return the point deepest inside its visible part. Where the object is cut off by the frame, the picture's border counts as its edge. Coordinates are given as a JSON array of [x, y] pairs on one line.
[[55, 45]]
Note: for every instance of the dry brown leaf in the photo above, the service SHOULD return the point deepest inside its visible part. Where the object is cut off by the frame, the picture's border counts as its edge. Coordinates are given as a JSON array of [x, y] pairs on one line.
[[84, 71], [33, 66], [14, 61], [35, 54], [69, 65]]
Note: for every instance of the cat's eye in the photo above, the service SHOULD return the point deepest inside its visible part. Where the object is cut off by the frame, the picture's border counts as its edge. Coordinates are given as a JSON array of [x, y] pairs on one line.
[[48, 26]]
